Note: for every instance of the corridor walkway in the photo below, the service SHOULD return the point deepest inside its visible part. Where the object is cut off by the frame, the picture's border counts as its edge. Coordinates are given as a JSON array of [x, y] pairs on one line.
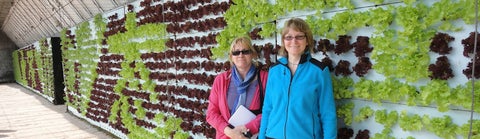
[[26, 115]]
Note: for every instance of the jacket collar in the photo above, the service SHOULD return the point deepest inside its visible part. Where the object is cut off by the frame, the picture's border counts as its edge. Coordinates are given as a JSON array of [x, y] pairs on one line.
[[305, 57]]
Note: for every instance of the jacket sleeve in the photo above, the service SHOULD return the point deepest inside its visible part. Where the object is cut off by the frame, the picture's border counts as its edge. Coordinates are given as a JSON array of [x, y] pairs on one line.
[[267, 107], [214, 115], [328, 115], [254, 125]]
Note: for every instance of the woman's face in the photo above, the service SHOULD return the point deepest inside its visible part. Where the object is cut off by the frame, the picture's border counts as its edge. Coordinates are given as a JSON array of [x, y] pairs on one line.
[[241, 56], [295, 42]]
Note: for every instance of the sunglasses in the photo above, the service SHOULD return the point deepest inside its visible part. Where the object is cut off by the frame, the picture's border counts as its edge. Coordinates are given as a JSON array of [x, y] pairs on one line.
[[289, 38], [244, 52]]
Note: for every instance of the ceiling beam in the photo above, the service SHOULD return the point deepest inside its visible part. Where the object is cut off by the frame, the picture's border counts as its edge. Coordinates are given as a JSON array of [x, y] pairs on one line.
[[95, 2], [16, 26], [55, 11], [60, 9], [34, 19], [75, 10], [19, 32], [62, 15], [30, 20], [45, 32], [114, 2], [23, 21], [44, 12], [85, 8]]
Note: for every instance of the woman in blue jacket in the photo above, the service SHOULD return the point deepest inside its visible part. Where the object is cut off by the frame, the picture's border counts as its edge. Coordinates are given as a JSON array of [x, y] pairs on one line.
[[299, 102]]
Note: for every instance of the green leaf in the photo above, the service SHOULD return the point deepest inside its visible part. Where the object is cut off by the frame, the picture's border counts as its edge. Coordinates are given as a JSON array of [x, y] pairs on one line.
[[364, 113]]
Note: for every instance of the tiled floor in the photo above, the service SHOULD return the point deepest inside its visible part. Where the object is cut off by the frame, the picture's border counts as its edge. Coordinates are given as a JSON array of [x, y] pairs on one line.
[[26, 115]]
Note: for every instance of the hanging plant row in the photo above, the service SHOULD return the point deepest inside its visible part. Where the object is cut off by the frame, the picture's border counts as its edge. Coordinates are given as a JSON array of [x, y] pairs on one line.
[[34, 68], [119, 99], [442, 126]]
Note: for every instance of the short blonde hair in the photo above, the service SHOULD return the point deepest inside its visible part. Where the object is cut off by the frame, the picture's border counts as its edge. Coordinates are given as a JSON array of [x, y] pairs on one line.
[[299, 25], [245, 41]]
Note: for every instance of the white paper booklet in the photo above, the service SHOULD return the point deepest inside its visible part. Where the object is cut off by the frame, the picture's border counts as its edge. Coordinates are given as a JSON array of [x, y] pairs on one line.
[[241, 117]]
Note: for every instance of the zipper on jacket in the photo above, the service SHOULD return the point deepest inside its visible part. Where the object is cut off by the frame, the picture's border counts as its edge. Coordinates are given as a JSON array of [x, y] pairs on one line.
[[288, 102]]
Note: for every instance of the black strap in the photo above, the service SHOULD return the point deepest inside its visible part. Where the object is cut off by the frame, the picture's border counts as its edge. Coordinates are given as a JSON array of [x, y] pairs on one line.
[[261, 91], [259, 111]]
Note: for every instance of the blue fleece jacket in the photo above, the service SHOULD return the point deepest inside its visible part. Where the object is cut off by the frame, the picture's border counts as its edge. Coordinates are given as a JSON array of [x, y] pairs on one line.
[[301, 106]]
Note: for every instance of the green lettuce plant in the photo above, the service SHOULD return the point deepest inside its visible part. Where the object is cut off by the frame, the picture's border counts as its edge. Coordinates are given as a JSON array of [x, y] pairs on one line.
[[363, 88], [413, 41], [442, 127], [462, 96], [44, 68], [410, 122], [467, 10], [439, 92], [22, 65], [345, 111], [31, 72], [147, 38], [387, 119], [385, 134], [380, 19], [344, 22], [464, 130], [376, 1], [342, 87], [319, 25], [87, 55], [364, 114], [242, 17], [140, 112]]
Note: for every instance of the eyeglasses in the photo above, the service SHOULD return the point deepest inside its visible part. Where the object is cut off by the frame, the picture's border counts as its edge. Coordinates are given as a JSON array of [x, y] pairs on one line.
[[244, 52], [289, 38]]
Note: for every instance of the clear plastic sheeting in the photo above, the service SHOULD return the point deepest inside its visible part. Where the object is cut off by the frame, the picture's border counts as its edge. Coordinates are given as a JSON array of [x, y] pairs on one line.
[[25, 21]]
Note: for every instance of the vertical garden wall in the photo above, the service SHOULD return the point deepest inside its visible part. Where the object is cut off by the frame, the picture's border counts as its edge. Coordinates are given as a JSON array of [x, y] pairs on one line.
[[33, 69], [144, 70], [401, 69]]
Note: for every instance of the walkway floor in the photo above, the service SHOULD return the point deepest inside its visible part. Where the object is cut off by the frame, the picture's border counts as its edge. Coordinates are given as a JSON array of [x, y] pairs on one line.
[[26, 115]]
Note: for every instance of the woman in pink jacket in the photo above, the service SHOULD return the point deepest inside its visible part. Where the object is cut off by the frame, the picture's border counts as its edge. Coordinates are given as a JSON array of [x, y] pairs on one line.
[[240, 85]]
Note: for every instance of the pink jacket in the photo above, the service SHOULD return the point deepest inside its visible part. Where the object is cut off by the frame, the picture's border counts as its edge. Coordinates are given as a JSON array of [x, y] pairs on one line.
[[218, 112]]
